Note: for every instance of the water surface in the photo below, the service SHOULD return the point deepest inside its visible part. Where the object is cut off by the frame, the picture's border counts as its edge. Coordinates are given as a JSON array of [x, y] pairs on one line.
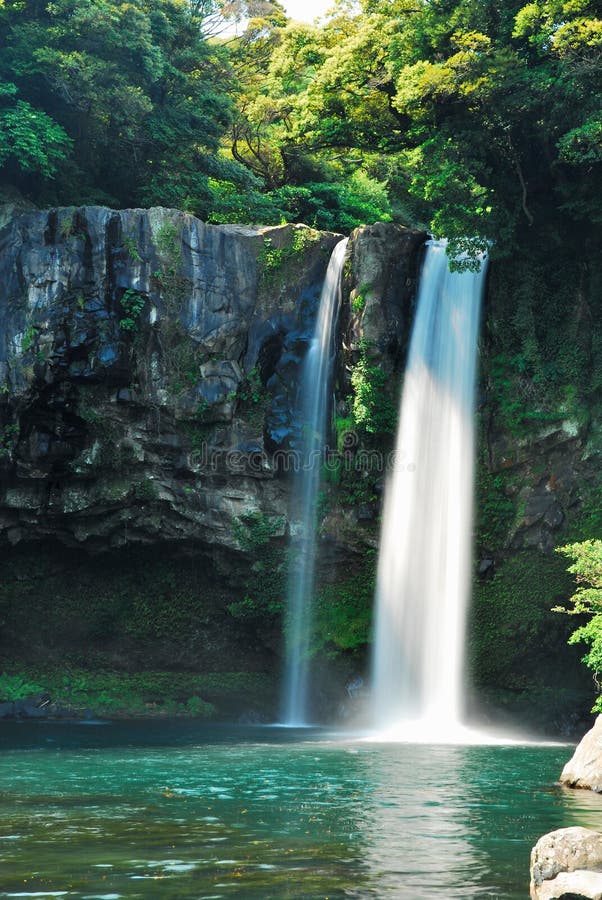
[[181, 810]]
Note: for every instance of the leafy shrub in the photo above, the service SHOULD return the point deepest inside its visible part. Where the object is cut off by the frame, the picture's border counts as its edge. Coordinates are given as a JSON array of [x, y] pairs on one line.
[[17, 687], [265, 585], [373, 406], [587, 600], [132, 304]]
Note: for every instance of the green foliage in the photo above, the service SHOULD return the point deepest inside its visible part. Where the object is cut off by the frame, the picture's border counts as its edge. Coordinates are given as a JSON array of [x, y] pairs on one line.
[[182, 361], [121, 693], [29, 338], [130, 99], [17, 687], [265, 584], [9, 435], [146, 490], [330, 206], [86, 411], [131, 247], [344, 609], [344, 429], [142, 606], [29, 138], [469, 118], [358, 303], [589, 518], [169, 244], [251, 391], [147, 693], [587, 600], [547, 339], [373, 407], [496, 511], [132, 304], [514, 638], [275, 262]]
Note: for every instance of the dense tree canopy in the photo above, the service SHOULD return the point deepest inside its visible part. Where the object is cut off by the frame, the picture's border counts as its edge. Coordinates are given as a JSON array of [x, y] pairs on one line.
[[473, 118]]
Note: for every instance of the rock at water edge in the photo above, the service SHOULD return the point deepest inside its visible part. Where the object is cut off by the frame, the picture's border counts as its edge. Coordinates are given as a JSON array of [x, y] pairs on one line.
[[584, 770], [567, 852]]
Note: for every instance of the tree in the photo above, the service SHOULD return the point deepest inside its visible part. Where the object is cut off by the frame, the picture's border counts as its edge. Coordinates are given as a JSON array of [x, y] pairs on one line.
[[136, 87], [30, 141], [587, 600]]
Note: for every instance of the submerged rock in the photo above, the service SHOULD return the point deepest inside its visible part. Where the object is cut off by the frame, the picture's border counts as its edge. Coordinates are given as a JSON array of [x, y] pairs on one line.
[[567, 863], [584, 769]]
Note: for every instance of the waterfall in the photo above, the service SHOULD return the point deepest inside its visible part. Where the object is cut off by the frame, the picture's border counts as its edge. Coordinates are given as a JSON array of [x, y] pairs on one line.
[[315, 391], [423, 578]]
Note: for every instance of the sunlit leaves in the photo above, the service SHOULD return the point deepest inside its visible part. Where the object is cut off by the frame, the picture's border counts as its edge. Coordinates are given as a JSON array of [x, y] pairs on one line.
[[587, 599], [29, 137], [583, 144], [135, 85]]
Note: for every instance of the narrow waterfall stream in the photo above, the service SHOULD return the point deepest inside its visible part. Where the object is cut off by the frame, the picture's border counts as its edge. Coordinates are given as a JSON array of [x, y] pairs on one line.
[[315, 390], [423, 579]]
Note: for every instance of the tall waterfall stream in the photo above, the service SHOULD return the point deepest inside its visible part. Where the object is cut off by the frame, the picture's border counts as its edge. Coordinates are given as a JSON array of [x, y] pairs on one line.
[[315, 391], [423, 578]]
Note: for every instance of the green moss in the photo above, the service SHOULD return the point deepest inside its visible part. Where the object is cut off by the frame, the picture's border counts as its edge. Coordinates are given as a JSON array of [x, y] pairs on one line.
[[276, 264], [496, 510], [544, 339], [151, 693], [9, 435], [264, 587], [252, 398], [517, 644], [344, 609], [130, 244], [181, 357], [586, 520], [146, 490], [197, 434]]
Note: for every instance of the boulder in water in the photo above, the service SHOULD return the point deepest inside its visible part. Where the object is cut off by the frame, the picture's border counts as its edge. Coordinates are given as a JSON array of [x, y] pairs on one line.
[[584, 769], [567, 863]]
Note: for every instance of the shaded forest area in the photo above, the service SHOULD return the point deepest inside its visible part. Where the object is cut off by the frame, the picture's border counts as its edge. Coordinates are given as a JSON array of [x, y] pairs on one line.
[[472, 118]]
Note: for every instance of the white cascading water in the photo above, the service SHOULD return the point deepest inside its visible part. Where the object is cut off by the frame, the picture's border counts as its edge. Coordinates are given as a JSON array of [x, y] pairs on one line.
[[423, 579], [315, 391]]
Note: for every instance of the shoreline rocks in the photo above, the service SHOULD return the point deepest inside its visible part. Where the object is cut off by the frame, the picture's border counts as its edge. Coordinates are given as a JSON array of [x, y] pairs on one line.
[[584, 769], [567, 863], [39, 706]]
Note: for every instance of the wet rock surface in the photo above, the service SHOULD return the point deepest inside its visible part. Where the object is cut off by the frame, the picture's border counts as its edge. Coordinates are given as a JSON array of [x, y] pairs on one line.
[[146, 361]]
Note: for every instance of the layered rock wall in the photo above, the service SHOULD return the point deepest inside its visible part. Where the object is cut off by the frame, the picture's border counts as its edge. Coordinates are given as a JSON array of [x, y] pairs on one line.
[[149, 376]]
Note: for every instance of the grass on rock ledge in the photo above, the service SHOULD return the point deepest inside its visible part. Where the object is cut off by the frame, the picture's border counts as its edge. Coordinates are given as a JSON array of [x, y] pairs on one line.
[[144, 694]]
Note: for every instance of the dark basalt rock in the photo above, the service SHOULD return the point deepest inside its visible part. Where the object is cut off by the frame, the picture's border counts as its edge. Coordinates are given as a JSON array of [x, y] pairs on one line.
[[117, 425], [102, 408]]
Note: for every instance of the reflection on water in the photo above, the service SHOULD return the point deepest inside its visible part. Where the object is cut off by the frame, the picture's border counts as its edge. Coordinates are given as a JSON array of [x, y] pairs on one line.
[[181, 811]]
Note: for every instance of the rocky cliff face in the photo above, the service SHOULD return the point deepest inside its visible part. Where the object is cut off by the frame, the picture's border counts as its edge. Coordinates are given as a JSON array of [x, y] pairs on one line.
[[539, 483], [149, 369]]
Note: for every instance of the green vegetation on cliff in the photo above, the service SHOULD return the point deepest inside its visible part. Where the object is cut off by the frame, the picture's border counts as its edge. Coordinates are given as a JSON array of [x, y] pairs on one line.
[[587, 601]]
